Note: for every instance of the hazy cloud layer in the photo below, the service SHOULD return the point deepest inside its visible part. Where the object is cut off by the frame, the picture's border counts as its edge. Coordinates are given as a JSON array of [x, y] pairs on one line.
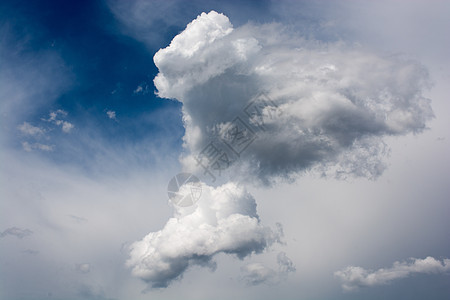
[[225, 221], [355, 277], [328, 106]]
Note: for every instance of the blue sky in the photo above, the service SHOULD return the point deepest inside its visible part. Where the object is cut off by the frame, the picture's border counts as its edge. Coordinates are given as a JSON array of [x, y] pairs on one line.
[[342, 194], [87, 69]]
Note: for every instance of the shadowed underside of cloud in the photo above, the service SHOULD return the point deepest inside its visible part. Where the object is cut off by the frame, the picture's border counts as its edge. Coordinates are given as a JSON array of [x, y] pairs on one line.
[[225, 221], [334, 103], [355, 277]]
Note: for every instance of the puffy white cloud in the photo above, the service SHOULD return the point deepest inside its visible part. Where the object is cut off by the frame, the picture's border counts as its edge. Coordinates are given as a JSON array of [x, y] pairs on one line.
[[66, 126], [36, 134], [334, 103], [355, 277], [224, 221], [111, 114], [55, 118], [198, 54]]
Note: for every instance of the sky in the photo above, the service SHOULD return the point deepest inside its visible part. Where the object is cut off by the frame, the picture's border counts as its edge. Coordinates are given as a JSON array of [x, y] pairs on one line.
[[315, 132]]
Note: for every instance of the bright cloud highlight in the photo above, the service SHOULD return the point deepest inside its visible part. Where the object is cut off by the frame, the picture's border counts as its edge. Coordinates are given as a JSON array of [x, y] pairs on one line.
[[225, 221]]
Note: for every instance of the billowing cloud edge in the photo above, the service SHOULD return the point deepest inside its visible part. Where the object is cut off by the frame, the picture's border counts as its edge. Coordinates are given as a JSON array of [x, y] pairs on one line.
[[225, 220], [335, 103]]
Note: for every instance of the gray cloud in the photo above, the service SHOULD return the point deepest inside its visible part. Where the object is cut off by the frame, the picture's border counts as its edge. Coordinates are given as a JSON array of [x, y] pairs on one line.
[[257, 273], [30, 252], [285, 264], [17, 232], [355, 277], [334, 102], [92, 292], [77, 219], [83, 268], [225, 221]]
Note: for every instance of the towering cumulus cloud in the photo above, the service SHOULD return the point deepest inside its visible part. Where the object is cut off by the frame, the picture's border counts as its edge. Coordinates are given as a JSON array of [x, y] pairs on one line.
[[330, 104], [279, 105]]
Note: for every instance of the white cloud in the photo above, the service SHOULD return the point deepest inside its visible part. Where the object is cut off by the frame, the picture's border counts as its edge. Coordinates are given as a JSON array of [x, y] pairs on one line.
[[52, 116], [142, 89], [28, 129], [111, 114], [335, 102], [197, 49], [225, 221], [32, 146], [55, 118], [66, 126], [355, 277]]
